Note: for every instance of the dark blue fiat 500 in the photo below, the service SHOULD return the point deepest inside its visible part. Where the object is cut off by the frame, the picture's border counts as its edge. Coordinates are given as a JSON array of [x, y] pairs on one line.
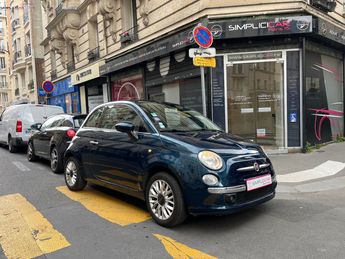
[[172, 157]]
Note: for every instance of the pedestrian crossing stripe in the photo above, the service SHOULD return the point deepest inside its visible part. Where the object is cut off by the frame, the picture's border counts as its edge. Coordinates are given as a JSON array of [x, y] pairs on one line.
[[107, 207], [24, 231], [179, 250]]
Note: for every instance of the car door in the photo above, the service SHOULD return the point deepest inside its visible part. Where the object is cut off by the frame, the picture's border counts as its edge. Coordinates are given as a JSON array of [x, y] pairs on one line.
[[48, 133], [2, 130], [120, 158], [88, 138], [42, 137]]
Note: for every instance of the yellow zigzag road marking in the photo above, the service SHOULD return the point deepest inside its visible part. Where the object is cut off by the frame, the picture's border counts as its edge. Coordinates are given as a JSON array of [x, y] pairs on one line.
[[178, 250], [107, 207], [24, 232]]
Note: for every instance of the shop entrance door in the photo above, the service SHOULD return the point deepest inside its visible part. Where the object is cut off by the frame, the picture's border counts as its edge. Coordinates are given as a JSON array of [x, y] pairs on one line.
[[255, 102]]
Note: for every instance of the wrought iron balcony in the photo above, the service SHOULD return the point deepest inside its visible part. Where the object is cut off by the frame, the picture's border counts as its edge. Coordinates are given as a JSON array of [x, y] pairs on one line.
[[15, 24], [17, 55], [59, 9], [31, 84], [27, 50], [53, 74], [93, 54], [324, 5], [70, 66], [129, 36]]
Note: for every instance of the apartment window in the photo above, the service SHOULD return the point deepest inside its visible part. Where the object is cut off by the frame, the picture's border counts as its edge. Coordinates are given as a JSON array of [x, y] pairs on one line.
[[129, 30], [1, 25], [3, 82], [2, 8], [127, 14], [70, 58], [93, 53], [2, 63], [2, 45]]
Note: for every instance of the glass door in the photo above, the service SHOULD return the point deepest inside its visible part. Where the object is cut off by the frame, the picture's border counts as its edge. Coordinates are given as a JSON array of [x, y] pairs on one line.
[[255, 102]]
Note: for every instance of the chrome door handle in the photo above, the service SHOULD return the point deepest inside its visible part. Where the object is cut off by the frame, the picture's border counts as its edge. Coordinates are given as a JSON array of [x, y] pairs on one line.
[[93, 142]]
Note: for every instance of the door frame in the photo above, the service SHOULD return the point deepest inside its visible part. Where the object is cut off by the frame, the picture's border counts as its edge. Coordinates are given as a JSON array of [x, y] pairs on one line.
[[283, 60]]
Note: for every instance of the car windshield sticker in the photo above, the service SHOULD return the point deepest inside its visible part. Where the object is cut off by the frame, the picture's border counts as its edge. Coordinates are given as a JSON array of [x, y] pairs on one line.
[[157, 118], [161, 125], [154, 114]]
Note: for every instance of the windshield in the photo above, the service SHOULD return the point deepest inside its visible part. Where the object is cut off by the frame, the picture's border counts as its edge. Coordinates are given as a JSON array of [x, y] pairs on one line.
[[171, 117]]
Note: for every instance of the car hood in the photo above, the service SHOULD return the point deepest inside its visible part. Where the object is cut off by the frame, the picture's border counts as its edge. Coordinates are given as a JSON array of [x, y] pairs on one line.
[[218, 141]]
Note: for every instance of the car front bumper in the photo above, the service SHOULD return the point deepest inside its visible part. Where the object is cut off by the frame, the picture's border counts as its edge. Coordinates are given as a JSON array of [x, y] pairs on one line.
[[228, 200]]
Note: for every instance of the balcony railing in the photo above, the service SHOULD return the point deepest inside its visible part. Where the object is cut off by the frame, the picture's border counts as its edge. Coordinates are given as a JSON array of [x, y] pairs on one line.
[[15, 24], [17, 55], [70, 66], [93, 54], [31, 84], [58, 9], [16, 92], [53, 74], [27, 50], [129, 36]]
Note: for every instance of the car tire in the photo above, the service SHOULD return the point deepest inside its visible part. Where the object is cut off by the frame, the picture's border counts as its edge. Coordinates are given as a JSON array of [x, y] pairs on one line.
[[31, 153], [73, 178], [11, 147], [166, 205], [56, 163]]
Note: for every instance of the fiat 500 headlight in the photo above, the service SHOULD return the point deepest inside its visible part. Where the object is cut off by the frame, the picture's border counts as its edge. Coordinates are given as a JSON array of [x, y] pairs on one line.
[[211, 160]]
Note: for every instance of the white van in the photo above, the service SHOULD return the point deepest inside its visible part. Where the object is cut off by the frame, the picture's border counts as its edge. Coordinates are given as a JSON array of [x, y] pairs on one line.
[[16, 121]]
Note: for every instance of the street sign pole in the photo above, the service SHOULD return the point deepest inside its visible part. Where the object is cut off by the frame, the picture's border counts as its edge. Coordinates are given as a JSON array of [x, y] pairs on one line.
[[203, 37], [203, 91]]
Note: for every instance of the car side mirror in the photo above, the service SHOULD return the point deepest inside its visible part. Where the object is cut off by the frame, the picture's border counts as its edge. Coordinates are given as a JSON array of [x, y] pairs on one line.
[[128, 128], [36, 126]]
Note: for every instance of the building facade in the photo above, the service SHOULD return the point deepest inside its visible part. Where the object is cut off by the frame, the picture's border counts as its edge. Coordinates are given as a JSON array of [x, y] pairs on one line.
[[5, 92], [26, 52], [279, 70]]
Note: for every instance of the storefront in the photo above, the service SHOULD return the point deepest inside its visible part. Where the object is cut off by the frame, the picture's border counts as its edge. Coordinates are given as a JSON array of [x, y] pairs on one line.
[[278, 80], [93, 88], [65, 95]]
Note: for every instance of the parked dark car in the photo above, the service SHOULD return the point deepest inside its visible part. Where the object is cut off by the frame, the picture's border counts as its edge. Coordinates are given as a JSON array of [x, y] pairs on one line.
[[172, 157], [51, 139]]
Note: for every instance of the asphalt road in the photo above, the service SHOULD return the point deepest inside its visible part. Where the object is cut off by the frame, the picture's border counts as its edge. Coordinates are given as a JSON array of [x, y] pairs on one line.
[[40, 218]]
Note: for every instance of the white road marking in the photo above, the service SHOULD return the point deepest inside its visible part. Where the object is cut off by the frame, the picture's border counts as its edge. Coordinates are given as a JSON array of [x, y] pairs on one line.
[[326, 169], [21, 166]]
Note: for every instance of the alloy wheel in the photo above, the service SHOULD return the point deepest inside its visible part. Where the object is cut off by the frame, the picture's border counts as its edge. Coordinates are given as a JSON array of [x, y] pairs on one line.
[[54, 159], [71, 173], [161, 199], [30, 150]]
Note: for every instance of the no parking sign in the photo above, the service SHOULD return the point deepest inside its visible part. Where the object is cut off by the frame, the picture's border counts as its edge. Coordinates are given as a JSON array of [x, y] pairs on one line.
[[203, 36]]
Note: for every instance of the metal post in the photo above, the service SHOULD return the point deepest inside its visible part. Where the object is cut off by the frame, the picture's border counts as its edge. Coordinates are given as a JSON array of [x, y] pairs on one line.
[[203, 91]]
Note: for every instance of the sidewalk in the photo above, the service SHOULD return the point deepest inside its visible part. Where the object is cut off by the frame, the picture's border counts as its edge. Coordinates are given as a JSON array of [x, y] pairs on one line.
[[294, 162], [321, 170]]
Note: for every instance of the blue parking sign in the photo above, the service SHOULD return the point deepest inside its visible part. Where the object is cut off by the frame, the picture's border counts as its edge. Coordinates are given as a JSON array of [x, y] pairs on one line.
[[293, 117]]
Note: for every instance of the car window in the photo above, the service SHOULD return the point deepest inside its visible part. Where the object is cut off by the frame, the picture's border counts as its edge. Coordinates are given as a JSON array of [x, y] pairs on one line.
[[2, 115], [94, 119], [66, 123], [121, 113], [78, 121], [51, 122]]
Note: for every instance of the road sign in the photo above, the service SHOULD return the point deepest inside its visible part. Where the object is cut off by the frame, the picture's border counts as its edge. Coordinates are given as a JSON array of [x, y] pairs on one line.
[[205, 53], [204, 62], [202, 36], [48, 86]]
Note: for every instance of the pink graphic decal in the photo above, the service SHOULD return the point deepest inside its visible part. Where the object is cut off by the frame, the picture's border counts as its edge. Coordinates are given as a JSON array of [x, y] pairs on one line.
[[332, 115]]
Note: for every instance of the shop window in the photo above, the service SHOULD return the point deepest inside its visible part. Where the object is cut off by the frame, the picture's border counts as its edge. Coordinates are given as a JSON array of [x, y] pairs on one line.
[[128, 87], [324, 97]]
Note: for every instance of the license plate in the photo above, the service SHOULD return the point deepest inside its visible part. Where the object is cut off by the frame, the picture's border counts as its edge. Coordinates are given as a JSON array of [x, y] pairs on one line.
[[258, 182]]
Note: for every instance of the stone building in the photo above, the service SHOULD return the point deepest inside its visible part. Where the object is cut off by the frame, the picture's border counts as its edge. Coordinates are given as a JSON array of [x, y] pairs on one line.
[[279, 70], [5, 92], [26, 53]]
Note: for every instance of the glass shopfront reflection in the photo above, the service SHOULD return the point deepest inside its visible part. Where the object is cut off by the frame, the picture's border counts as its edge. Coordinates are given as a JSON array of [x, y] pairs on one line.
[[255, 102]]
